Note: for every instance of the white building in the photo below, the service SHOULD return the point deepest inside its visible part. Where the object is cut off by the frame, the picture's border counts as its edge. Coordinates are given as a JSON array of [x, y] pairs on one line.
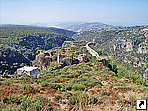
[[31, 71]]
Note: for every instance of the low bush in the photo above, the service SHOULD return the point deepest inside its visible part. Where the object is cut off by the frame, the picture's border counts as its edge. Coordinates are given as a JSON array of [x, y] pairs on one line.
[[78, 87], [55, 86], [25, 103], [105, 93], [57, 98], [67, 95]]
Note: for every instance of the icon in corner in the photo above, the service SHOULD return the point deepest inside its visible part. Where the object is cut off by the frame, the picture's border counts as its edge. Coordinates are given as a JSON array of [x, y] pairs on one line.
[[141, 104]]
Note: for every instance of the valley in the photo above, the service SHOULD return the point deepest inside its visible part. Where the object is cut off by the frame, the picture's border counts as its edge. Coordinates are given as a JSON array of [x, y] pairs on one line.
[[126, 45], [75, 75]]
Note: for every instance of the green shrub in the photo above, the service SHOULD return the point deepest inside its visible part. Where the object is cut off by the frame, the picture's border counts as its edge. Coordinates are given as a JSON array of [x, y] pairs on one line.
[[105, 93], [69, 87], [98, 86], [93, 100], [94, 83], [120, 84], [57, 98], [44, 84], [78, 87], [67, 95], [127, 88], [55, 86], [91, 91], [27, 87]]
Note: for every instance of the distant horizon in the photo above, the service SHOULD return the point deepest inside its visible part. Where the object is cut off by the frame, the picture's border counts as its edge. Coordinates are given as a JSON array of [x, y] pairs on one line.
[[111, 12], [52, 24]]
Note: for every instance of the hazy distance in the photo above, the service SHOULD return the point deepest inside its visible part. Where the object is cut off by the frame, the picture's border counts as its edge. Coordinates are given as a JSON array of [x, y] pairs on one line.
[[113, 12]]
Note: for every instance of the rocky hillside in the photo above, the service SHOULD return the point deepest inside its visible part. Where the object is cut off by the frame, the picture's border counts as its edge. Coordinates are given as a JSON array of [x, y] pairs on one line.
[[82, 85], [127, 45], [18, 45]]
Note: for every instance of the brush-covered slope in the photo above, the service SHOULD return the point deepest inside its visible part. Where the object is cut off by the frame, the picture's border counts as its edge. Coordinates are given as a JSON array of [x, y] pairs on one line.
[[127, 45], [81, 86]]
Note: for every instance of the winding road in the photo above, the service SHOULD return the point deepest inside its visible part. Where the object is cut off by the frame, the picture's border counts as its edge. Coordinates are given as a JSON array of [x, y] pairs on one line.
[[91, 51]]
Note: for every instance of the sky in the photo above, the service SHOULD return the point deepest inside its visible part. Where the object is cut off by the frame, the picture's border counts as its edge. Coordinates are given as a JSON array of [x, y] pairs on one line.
[[113, 12]]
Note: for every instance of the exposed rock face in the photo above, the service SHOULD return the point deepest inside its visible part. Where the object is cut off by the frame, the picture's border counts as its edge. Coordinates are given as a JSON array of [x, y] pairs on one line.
[[142, 48], [117, 46], [122, 45], [129, 46]]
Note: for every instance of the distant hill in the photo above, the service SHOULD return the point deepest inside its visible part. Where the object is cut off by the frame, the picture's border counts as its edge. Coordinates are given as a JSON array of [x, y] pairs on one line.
[[47, 29], [85, 26], [75, 26], [18, 44], [127, 45]]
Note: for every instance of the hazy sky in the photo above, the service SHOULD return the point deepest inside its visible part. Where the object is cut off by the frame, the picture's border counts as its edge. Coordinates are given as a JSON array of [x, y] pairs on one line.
[[115, 12]]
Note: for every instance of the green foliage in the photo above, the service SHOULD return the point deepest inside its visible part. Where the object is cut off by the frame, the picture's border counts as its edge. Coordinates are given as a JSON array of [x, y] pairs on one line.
[[67, 95], [83, 98], [18, 45], [44, 84], [78, 87], [113, 42], [26, 87], [57, 98], [105, 93], [55, 86], [25, 103], [98, 50]]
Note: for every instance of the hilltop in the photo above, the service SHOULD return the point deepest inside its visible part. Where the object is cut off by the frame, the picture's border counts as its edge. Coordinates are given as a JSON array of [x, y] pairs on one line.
[[77, 26], [85, 26], [71, 82]]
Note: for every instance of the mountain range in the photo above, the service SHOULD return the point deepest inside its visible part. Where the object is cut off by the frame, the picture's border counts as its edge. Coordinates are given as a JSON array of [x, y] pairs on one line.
[[85, 26], [74, 26]]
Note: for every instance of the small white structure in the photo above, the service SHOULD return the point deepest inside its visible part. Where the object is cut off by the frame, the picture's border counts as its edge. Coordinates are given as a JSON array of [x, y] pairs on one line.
[[31, 71]]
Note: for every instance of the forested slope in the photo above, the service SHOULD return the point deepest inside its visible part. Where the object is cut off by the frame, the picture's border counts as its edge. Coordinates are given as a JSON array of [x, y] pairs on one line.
[[19, 46], [35, 28]]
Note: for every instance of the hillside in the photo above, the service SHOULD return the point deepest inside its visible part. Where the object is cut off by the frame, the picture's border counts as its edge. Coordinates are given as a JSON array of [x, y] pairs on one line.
[[19, 45], [35, 28], [85, 84], [127, 45], [85, 26]]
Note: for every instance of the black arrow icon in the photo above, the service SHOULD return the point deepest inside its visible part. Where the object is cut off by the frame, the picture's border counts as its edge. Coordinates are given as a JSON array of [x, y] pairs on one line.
[[141, 102]]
